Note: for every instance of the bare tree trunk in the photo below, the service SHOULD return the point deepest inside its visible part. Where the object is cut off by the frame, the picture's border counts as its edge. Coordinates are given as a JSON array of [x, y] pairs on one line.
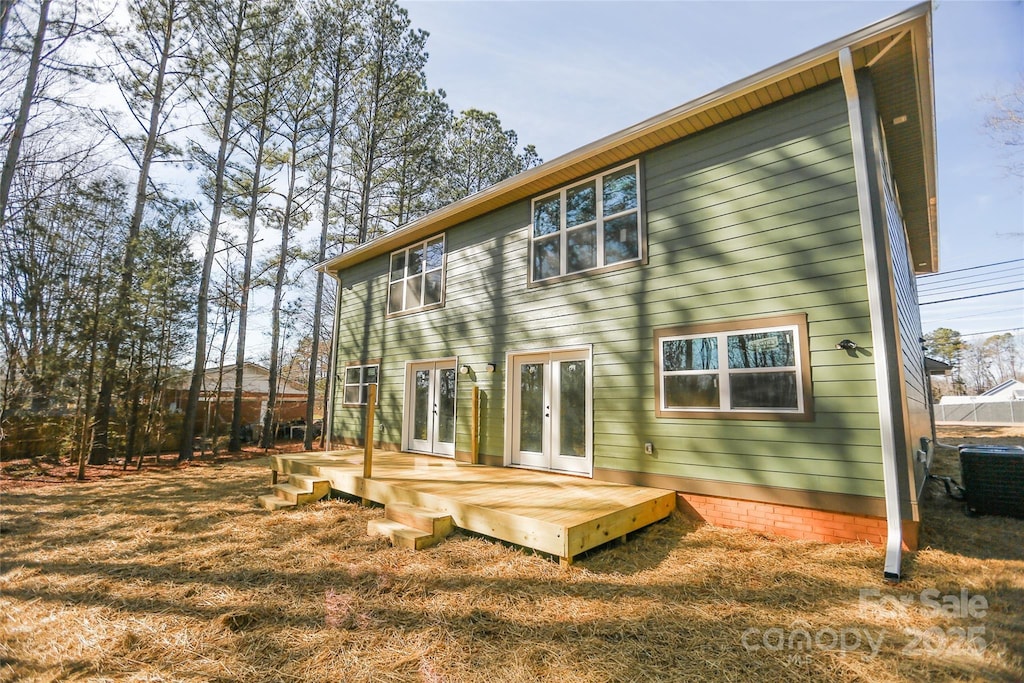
[[21, 121], [275, 359], [188, 427], [100, 447]]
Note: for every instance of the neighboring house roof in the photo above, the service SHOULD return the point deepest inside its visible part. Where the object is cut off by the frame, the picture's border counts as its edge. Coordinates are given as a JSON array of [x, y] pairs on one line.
[[1009, 389], [934, 366], [896, 49], [255, 380]]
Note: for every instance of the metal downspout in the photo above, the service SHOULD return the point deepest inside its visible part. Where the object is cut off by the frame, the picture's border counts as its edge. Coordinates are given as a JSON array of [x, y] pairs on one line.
[[890, 469]]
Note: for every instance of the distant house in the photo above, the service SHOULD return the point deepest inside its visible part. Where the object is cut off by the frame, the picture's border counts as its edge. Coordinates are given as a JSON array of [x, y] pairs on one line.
[[1002, 404], [1010, 390], [719, 300], [216, 399]]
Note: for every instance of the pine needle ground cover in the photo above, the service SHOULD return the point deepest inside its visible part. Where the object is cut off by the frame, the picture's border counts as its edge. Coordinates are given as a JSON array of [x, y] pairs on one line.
[[176, 575]]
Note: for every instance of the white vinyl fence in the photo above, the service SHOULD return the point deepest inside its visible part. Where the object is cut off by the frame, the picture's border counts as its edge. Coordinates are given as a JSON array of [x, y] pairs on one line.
[[981, 411]]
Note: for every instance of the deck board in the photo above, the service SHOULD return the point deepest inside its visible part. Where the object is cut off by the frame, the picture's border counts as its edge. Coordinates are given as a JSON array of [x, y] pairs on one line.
[[555, 513]]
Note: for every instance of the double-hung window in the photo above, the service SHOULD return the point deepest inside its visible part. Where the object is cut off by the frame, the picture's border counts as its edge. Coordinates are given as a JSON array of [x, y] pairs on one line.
[[592, 224], [358, 379], [752, 369], [417, 276]]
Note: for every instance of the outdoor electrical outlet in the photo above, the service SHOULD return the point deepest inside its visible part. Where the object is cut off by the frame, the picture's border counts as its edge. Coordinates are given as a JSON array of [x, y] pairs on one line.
[[649, 448]]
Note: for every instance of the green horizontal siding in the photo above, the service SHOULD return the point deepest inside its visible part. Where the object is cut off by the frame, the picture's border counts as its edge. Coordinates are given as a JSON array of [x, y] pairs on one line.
[[757, 217]]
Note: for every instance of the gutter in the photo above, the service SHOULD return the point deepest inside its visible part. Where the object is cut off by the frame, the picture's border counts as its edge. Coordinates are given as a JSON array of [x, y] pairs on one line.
[[890, 469]]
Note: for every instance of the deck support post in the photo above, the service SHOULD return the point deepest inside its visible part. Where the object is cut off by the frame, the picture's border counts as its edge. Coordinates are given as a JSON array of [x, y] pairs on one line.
[[371, 405], [474, 428]]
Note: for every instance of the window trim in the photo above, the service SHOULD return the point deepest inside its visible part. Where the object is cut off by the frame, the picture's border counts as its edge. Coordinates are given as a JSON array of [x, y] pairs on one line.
[[423, 274], [796, 322], [561, 192], [362, 365]]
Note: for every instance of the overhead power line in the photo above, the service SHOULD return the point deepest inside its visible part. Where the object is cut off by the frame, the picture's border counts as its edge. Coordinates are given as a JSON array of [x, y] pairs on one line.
[[975, 278], [973, 296], [961, 270], [975, 284]]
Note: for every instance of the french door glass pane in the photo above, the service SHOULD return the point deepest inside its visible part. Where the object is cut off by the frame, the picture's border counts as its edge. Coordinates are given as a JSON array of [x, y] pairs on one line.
[[446, 406], [421, 412], [531, 407], [572, 408]]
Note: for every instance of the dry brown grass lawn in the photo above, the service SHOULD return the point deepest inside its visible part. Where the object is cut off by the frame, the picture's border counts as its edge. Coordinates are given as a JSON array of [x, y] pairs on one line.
[[176, 575]]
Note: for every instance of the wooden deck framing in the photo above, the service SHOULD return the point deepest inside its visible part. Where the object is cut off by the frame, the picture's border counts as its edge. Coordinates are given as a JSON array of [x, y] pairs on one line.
[[557, 514]]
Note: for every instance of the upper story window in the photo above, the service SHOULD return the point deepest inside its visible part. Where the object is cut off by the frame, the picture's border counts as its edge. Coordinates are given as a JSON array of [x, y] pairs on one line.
[[417, 276], [750, 369], [358, 379], [592, 224]]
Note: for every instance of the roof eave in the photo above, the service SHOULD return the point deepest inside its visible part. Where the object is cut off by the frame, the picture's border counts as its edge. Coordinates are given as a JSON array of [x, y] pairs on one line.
[[915, 19]]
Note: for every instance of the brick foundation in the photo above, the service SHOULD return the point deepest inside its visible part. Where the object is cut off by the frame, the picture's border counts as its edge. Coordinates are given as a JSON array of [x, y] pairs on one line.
[[785, 520]]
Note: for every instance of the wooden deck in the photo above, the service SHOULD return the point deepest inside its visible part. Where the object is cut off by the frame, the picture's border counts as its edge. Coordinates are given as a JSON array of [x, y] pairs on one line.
[[553, 513]]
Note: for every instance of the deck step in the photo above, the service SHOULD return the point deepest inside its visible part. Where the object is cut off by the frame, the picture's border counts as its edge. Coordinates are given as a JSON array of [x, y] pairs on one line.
[[408, 526], [271, 502], [299, 490], [400, 535], [429, 521]]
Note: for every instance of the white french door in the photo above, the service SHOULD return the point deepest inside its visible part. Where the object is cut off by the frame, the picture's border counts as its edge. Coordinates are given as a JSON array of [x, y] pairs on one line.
[[550, 411], [430, 407]]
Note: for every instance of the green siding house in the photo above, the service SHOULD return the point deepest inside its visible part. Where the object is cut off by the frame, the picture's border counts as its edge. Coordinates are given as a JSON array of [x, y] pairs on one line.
[[719, 300]]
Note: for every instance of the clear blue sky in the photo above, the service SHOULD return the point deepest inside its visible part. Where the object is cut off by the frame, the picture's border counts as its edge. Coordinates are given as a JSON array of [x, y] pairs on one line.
[[563, 74]]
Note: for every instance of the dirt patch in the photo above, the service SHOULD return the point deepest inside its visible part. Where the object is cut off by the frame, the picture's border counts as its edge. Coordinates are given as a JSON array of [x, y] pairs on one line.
[[177, 575]]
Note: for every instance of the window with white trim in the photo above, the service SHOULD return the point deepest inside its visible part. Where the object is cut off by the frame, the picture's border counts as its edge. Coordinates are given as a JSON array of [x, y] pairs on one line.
[[756, 369], [358, 379], [588, 225], [416, 278]]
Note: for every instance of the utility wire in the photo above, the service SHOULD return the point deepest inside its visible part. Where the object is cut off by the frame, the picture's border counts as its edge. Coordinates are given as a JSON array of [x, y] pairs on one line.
[[961, 270], [975, 278], [963, 287], [1004, 269], [978, 334], [973, 296]]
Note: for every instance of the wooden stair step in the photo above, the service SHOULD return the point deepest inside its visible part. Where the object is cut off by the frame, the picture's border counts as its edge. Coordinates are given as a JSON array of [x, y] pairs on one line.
[[429, 521], [400, 535], [300, 489], [274, 502]]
